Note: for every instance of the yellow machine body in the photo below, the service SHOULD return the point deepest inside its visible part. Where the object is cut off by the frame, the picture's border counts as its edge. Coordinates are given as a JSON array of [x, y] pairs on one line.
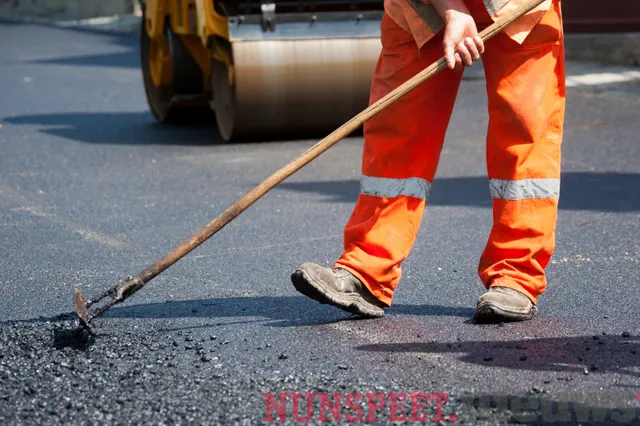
[[266, 69]]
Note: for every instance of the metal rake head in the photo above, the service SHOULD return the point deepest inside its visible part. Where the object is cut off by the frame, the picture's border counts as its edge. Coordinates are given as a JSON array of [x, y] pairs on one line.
[[89, 310]]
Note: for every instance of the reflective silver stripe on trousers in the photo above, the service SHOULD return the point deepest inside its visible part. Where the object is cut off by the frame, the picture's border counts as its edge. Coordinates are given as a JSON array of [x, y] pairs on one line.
[[525, 188], [391, 188]]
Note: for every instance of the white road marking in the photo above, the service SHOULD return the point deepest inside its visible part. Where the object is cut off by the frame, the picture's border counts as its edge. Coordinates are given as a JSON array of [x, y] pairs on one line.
[[26, 205], [597, 79]]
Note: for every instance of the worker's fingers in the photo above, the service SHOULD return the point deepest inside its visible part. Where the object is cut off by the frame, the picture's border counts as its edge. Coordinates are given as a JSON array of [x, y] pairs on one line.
[[479, 44], [449, 52], [473, 49], [458, 63], [465, 55]]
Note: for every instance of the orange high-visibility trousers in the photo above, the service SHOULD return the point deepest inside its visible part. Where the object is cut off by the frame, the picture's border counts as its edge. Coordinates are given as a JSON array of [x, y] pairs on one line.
[[526, 100]]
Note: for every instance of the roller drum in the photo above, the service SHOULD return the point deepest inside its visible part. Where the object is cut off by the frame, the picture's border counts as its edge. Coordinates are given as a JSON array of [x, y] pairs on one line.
[[293, 86]]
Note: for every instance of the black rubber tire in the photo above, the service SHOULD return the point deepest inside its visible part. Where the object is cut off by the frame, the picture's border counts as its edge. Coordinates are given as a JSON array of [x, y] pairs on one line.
[[187, 79]]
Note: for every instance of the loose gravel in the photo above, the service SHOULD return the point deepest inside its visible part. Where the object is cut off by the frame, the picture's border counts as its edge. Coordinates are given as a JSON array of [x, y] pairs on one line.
[[51, 372]]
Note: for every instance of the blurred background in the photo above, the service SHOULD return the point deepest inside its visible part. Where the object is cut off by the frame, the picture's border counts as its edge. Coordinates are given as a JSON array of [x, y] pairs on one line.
[[252, 62]]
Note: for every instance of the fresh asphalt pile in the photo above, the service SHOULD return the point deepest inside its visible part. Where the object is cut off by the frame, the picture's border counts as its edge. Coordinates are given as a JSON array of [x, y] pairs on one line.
[[52, 372]]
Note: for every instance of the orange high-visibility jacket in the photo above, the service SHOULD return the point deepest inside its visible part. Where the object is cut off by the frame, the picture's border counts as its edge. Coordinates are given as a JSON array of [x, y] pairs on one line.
[[421, 20]]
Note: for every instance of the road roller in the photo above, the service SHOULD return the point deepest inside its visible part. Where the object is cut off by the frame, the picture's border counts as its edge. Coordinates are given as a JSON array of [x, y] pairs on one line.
[[267, 69]]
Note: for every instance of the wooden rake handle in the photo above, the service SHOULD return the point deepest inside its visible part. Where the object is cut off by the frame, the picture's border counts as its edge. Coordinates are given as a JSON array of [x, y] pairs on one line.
[[252, 196]]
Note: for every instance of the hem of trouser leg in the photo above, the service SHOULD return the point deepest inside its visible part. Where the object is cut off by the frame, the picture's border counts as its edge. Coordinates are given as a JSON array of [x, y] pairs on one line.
[[506, 282], [376, 292]]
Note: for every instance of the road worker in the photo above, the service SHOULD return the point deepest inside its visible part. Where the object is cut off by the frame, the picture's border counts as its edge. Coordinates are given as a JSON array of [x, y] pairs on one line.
[[525, 81]]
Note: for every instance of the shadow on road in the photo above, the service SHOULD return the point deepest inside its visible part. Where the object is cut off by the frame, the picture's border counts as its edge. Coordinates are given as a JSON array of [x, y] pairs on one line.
[[124, 128], [599, 354], [609, 192], [607, 354], [286, 311], [126, 59], [140, 128]]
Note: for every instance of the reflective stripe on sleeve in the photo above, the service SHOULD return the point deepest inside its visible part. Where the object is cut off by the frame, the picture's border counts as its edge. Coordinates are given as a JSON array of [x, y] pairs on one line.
[[391, 188], [525, 188]]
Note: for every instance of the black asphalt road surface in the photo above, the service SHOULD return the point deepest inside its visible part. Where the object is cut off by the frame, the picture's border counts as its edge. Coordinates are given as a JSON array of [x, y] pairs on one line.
[[93, 190]]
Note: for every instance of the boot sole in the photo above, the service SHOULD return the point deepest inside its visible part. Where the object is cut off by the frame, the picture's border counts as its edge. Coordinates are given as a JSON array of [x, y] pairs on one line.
[[350, 302], [493, 312]]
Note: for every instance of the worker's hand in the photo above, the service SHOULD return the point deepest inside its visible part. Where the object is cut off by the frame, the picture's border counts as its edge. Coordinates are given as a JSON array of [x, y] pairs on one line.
[[461, 43]]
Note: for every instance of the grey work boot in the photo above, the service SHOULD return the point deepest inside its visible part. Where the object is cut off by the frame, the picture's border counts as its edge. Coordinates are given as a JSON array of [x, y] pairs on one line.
[[503, 304], [337, 287]]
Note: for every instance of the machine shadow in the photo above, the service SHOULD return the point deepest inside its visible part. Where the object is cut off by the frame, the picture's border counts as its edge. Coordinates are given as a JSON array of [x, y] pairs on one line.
[[124, 128], [607, 354], [127, 59], [286, 311], [140, 128], [593, 191]]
